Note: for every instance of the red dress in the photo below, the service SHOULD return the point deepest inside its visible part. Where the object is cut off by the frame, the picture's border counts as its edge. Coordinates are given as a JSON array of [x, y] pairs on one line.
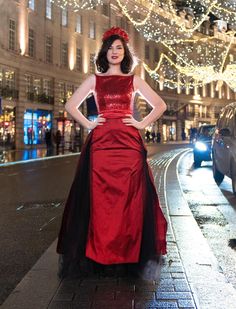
[[112, 214]]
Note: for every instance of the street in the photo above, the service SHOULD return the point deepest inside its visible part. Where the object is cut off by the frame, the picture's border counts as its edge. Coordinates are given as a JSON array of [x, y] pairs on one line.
[[33, 196], [214, 209]]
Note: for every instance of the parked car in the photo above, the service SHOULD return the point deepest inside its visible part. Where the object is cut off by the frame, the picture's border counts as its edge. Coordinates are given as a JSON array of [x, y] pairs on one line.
[[224, 146], [202, 144]]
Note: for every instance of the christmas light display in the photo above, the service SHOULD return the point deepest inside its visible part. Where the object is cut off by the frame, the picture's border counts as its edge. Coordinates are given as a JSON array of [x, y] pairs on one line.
[[188, 58]]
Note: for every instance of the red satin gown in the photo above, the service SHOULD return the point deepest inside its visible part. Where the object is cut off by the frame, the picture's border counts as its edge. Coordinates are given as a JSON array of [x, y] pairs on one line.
[[112, 215]]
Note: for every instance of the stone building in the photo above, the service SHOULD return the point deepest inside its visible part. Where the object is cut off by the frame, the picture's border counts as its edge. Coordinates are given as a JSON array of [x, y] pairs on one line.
[[45, 54]]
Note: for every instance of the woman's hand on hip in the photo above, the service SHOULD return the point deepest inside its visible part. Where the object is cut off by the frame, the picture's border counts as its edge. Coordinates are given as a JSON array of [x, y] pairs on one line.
[[130, 121], [98, 122]]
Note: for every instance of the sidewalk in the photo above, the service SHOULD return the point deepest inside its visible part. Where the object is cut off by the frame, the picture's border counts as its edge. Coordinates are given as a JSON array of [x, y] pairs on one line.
[[16, 156], [8, 157], [189, 277]]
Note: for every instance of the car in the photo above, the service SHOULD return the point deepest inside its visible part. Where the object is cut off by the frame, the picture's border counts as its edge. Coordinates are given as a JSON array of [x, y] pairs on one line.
[[202, 144], [224, 146]]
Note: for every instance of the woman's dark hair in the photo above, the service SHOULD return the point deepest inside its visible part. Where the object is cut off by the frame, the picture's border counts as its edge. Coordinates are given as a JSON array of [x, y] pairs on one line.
[[101, 61]]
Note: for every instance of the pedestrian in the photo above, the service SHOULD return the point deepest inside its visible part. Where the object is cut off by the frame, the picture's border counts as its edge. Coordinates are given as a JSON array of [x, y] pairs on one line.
[[30, 135], [48, 140], [158, 137], [58, 140], [147, 135], [183, 134], [153, 136], [112, 217]]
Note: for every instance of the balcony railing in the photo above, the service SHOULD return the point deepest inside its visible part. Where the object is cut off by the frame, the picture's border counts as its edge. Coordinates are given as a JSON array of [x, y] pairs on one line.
[[9, 93], [40, 98]]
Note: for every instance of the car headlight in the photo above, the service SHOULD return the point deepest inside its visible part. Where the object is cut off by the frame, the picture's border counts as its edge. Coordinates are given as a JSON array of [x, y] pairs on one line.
[[201, 146]]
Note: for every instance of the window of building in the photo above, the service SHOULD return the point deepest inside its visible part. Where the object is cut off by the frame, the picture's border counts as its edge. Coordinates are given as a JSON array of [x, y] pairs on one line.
[[79, 59], [118, 21], [48, 9], [64, 55], [156, 55], [78, 28], [28, 84], [10, 79], [37, 86], [1, 77], [48, 49], [94, 4], [147, 52], [105, 9], [92, 63], [92, 30], [12, 34], [31, 43], [31, 4], [47, 87], [62, 92], [64, 17], [69, 90], [123, 23]]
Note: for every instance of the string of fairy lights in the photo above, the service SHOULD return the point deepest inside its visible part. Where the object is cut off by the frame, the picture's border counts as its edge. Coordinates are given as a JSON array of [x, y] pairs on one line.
[[187, 58]]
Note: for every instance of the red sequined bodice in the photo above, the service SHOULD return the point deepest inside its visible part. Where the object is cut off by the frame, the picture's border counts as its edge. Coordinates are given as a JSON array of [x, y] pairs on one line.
[[114, 94]]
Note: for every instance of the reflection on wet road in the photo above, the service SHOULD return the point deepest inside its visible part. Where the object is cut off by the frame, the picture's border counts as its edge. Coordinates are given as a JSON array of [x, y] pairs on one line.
[[214, 209]]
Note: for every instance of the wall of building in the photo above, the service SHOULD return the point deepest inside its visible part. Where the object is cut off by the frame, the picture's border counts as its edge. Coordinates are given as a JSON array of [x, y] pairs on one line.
[[34, 90]]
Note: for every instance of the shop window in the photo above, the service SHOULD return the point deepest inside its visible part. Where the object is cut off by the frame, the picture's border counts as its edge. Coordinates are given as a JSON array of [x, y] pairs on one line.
[[7, 127], [35, 125]]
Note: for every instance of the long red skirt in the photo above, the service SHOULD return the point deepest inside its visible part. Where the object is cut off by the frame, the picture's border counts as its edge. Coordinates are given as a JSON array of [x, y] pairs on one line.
[[112, 214]]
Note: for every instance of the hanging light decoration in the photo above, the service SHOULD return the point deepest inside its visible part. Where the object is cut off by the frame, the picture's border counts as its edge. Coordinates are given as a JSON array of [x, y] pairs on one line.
[[187, 59], [76, 5]]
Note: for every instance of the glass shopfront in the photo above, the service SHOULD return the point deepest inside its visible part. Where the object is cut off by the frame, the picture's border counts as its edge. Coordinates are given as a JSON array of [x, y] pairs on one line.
[[7, 127], [35, 124]]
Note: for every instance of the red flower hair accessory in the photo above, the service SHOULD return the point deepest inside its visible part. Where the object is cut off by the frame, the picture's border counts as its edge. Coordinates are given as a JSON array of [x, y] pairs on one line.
[[116, 31]]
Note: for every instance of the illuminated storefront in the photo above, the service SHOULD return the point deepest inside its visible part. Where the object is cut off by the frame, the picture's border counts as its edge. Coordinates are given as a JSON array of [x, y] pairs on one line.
[[7, 127], [35, 124]]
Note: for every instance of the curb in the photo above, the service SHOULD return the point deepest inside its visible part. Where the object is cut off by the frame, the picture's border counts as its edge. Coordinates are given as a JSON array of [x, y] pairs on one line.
[[209, 285]]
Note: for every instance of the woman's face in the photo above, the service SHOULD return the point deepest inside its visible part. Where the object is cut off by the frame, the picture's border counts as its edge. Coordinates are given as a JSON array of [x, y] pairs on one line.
[[116, 52]]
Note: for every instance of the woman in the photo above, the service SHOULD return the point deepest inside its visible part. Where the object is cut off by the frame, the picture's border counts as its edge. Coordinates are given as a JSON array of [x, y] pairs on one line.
[[112, 215]]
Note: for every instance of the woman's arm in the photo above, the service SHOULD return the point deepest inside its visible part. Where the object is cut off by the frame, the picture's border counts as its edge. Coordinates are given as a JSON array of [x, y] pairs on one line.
[[158, 105], [77, 99]]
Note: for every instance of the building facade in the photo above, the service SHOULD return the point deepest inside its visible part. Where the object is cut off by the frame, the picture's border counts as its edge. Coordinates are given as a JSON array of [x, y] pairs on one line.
[[45, 54]]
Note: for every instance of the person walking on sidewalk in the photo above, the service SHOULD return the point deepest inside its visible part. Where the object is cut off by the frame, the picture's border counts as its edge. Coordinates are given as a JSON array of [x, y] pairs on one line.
[[112, 216], [48, 140], [58, 140]]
